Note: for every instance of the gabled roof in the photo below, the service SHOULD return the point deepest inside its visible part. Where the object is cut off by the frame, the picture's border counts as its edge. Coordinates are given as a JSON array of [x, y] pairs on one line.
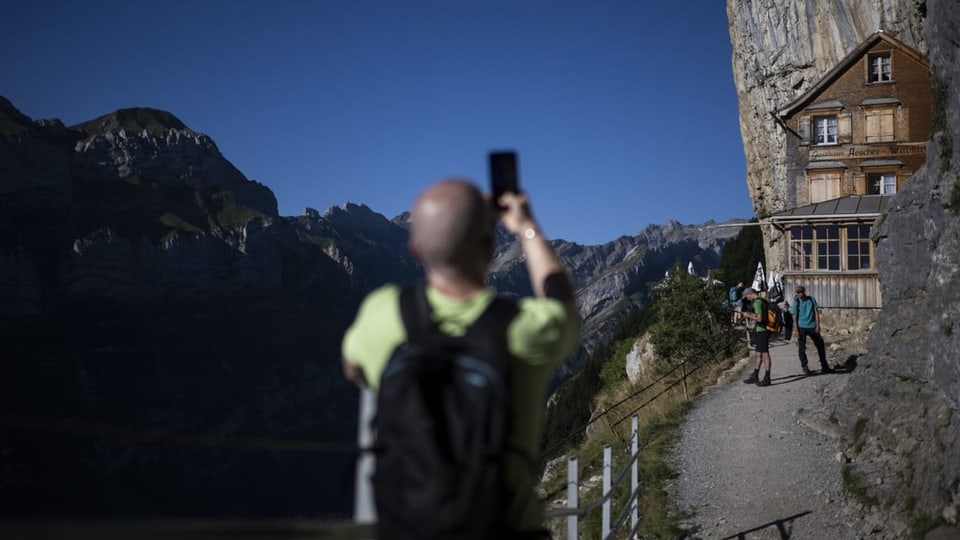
[[852, 207], [845, 64]]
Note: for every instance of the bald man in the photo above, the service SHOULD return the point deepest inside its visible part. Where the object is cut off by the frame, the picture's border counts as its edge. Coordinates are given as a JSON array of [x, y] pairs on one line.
[[452, 234]]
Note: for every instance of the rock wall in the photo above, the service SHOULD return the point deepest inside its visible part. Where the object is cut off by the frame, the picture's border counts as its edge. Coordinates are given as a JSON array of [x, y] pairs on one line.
[[900, 410]]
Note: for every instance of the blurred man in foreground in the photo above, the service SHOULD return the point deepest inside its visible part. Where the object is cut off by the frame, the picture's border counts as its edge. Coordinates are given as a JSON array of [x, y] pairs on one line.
[[452, 234]]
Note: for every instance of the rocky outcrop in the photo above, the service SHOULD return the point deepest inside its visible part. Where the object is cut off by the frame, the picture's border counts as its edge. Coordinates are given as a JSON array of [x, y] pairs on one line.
[[900, 412], [640, 358]]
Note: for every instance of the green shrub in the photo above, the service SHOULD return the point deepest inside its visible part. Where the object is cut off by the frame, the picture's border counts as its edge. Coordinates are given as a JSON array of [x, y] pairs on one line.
[[692, 320]]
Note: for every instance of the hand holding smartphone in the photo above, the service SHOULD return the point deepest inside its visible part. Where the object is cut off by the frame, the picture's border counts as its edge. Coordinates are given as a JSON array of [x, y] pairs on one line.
[[504, 174]]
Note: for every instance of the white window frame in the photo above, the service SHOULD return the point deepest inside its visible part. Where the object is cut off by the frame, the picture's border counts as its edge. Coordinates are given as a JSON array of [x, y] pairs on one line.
[[886, 183], [880, 68], [825, 130]]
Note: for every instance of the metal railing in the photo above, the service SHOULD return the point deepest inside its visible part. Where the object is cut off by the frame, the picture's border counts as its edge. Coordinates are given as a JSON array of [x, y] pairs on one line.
[[573, 511]]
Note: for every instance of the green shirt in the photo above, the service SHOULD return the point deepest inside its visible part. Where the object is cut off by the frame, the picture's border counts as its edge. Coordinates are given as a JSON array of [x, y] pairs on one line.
[[758, 305], [543, 332]]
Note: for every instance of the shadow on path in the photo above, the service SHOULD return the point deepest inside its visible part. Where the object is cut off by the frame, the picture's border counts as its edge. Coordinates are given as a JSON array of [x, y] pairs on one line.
[[784, 527]]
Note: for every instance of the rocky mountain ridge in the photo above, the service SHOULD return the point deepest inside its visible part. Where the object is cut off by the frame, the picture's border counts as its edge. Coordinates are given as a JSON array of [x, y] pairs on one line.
[[146, 282]]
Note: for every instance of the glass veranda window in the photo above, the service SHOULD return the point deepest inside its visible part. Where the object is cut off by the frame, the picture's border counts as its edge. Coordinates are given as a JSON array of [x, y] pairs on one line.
[[828, 247], [815, 248], [858, 247]]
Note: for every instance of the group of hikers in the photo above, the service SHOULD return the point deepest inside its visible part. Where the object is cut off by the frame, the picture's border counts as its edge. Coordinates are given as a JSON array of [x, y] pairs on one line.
[[768, 315]]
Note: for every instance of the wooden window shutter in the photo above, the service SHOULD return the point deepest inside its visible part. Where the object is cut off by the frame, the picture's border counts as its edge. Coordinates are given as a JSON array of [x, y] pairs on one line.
[[803, 128], [886, 125], [844, 128], [871, 126]]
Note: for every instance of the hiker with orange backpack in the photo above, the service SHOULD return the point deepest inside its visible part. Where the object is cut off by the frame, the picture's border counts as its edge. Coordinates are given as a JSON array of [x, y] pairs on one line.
[[761, 336]]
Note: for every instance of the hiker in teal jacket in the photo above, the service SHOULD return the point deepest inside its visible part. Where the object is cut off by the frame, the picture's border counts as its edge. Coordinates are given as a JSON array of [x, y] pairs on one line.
[[806, 322]]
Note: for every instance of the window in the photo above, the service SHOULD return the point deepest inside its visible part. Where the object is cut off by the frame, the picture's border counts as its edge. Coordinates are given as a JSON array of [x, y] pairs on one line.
[[881, 183], [825, 130], [879, 70], [858, 247], [828, 247], [879, 124], [801, 248], [819, 248]]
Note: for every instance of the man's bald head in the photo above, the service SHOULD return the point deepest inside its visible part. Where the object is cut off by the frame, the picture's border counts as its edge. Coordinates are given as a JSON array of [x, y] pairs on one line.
[[452, 229]]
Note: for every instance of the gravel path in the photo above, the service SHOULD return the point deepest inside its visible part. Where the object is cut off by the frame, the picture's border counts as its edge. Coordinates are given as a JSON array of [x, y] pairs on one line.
[[761, 463]]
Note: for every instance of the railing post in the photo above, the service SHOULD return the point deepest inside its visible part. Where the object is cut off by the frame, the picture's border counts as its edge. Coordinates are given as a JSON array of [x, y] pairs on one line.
[[607, 474], [634, 471], [364, 510], [573, 496]]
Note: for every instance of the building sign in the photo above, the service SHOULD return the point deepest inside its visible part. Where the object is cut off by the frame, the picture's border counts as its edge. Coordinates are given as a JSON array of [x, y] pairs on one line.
[[864, 151]]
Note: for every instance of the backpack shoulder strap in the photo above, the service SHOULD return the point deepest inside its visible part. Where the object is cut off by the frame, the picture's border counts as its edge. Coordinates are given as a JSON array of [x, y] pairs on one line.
[[415, 312], [764, 315]]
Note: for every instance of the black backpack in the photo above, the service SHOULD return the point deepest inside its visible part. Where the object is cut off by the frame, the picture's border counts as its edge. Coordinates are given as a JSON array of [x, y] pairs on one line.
[[442, 427]]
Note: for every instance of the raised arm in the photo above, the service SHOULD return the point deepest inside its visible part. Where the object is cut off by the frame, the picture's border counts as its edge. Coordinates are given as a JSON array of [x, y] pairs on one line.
[[547, 276]]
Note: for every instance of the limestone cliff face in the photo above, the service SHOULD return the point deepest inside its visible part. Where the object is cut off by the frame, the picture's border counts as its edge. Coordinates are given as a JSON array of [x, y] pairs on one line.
[[901, 410]]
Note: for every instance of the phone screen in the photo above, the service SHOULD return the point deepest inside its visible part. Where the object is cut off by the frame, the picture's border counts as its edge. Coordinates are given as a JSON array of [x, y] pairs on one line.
[[503, 174]]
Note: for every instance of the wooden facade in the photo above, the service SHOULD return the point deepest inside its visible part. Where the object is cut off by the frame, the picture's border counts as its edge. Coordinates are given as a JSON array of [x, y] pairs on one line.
[[853, 139]]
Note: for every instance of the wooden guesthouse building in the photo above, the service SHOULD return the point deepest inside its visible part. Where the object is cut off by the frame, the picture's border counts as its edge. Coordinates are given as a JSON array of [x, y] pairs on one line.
[[853, 139]]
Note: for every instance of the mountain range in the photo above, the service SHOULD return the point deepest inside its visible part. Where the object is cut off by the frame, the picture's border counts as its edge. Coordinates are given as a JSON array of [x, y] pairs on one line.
[[169, 338]]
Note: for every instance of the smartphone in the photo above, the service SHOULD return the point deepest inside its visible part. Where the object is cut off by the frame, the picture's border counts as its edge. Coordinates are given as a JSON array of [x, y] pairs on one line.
[[503, 174]]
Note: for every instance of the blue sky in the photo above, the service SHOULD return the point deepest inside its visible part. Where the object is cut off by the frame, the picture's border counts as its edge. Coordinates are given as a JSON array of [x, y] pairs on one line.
[[624, 112]]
